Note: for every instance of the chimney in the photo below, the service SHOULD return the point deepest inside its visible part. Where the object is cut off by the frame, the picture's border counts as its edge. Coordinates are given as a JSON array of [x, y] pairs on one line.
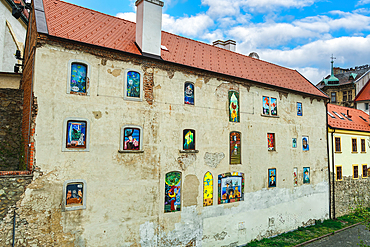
[[149, 26], [228, 44], [348, 114]]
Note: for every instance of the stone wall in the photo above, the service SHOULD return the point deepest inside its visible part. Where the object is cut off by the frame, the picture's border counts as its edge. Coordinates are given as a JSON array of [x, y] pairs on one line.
[[11, 101], [349, 193]]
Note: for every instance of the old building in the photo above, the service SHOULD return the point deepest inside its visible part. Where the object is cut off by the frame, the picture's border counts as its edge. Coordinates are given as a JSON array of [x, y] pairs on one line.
[[349, 145], [137, 136], [363, 98]]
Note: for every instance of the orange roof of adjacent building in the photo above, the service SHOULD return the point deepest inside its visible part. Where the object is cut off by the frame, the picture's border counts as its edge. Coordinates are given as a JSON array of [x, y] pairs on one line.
[[364, 94], [350, 119], [76, 23]]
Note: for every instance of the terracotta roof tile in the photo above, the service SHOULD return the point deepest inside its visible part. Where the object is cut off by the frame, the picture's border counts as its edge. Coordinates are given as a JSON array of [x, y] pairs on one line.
[[355, 115], [76, 23], [364, 94]]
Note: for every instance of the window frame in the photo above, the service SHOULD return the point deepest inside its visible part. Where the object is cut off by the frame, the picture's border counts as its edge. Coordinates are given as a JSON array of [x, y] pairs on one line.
[[268, 148], [122, 139], [88, 73], [84, 196], [125, 85], [301, 113], [353, 171], [366, 106], [352, 144], [189, 82], [87, 139], [240, 147], [336, 173], [269, 106], [345, 93], [362, 175], [363, 145], [349, 95], [183, 140], [335, 97], [340, 144]]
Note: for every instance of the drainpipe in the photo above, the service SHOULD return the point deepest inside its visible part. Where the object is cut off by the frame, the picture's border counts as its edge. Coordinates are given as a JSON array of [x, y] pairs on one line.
[[332, 164], [14, 227], [328, 153]]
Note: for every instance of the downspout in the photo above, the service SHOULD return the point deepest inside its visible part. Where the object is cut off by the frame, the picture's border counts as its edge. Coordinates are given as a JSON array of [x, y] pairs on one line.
[[332, 164], [328, 155]]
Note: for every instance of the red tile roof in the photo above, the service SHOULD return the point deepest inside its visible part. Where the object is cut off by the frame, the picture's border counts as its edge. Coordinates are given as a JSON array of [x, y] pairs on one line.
[[76, 23], [355, 115], [364, 94]]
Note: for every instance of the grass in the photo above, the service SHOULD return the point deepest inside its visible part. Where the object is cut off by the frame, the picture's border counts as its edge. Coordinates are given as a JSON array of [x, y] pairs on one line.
[[304, 234]]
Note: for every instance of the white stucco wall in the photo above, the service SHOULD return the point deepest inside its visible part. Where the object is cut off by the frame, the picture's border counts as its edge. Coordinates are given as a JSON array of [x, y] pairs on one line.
[[125, 192], [7, 44], [361, 106]]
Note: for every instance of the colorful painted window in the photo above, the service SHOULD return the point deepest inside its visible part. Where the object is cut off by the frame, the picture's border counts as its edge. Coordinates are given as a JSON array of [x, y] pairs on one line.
[[74, 194], [269, 106], [305, 144], [172, 201], [76, 134], [132, 138], [337, 144], [272, 177], [230, 187], [354, 145], [299, 109], [363, 146], [234, 113], [295, 176], [208, 189], [339, 172], [189, 139], [306, 175], [133, 85], [79, 79], [364, 171], [271, 141], [189, 93], [294, 142], [235, 148], [355, 171]]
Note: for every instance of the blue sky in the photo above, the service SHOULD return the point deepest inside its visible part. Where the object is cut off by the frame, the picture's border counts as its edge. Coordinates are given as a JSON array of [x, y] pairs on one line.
[[298, 34]]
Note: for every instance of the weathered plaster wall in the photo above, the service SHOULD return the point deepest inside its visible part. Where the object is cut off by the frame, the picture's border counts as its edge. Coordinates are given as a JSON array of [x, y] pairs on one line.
[[125, 192], [10, 80]]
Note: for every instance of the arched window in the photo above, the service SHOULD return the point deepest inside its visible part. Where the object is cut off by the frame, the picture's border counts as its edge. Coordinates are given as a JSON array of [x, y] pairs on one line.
[[208, 189], [172, 198], [234, 112], [133, 86], [78, 77], [189, 93], [235, 148]]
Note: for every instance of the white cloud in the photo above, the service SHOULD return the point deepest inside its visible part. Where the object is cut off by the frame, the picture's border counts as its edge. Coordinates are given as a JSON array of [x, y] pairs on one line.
[[362, 2], [189, 26]]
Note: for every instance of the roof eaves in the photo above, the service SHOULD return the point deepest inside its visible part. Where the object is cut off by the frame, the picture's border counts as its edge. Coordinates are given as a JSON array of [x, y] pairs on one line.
[[362, 89], [312, 84]]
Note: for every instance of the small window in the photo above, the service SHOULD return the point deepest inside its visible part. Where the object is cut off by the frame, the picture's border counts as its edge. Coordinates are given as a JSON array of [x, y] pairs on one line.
[[355, 171], [188, 139], [333, 97], [76, 134], [230, 187], [336, 113], [364, 171], [189, 93], [345, 96], [366, 106], [346, 116], [78, 77], [339, 173], [272, 177], [363, 146], [271, 141], [74, 195], [133, 86], [337, 144], [172, 201], [299, 109], [235, 148], [131, 138], [363, 118], [269, 106], [294, 142], [354, 145], [349, 95], [305, 144], [306, 175], [208, 189], [234, 112], [331, 115]]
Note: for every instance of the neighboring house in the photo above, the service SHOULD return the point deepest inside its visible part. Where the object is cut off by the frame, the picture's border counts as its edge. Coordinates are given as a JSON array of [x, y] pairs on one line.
[[137, 136], [349, 148], [363, 98], [343, 85]]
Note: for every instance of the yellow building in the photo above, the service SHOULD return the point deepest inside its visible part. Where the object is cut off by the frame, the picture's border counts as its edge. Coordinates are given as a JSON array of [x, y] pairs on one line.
[[349, 157]]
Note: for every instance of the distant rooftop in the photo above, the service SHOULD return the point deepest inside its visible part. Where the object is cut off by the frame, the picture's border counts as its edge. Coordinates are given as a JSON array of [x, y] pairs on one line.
[[341, 117]]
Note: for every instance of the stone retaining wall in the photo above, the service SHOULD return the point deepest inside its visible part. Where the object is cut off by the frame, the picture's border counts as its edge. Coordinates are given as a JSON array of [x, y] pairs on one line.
[[349, 193], [11, 106]]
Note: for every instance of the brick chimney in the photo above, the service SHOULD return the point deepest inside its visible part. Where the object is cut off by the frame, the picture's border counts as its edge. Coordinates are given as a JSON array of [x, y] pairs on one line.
[[228, 44], [149, 26]]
